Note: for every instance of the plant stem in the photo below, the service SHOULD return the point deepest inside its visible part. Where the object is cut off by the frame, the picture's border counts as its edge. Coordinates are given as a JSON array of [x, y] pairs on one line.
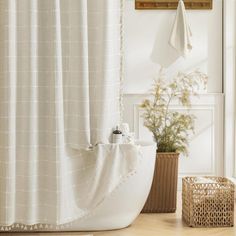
[[166, 113]]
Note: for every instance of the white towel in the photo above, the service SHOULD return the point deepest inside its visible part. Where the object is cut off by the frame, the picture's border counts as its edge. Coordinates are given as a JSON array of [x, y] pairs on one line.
[[180, 37]]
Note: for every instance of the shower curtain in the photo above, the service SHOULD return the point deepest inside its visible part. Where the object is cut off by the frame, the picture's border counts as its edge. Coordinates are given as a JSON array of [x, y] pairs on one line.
[[60, 68]]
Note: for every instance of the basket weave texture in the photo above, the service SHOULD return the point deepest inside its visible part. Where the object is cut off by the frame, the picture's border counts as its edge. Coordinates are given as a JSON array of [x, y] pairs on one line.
[[209, 204], [163, 194]]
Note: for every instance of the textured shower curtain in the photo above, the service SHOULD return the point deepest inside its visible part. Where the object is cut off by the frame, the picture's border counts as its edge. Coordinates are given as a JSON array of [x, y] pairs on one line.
[[59, 94]]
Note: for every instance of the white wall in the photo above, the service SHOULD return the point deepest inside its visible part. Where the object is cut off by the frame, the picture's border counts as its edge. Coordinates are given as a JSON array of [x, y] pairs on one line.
[[146, 28], [229, 85]]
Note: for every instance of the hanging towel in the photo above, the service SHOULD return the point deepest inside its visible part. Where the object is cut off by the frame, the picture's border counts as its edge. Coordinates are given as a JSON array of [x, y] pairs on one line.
[[180, 38]]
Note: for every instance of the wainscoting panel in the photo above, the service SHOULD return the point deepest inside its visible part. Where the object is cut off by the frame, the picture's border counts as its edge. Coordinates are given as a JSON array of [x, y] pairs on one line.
[[206, 144]]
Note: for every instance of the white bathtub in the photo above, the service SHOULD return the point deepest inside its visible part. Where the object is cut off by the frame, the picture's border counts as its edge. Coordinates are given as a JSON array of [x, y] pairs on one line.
[[122, 206]]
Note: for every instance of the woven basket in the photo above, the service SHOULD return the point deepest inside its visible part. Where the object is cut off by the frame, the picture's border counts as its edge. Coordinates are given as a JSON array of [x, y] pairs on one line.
[[209, 204], [163, 194]]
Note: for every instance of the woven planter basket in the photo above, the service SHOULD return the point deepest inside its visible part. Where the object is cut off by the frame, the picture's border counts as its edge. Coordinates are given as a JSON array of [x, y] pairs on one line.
[[209, 204], [163, 194]]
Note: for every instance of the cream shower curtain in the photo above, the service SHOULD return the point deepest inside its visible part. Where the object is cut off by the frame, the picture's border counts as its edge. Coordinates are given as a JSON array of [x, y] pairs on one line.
[[59, 94]]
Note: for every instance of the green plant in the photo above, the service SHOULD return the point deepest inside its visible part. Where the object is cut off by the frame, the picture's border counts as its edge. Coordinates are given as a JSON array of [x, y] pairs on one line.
[[171, 128]]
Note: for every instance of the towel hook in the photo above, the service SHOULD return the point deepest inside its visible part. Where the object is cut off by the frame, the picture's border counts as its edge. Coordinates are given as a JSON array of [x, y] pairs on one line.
[[171, 4]]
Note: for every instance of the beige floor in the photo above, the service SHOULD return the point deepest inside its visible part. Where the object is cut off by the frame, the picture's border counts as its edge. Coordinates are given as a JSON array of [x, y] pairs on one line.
[[152, 225]]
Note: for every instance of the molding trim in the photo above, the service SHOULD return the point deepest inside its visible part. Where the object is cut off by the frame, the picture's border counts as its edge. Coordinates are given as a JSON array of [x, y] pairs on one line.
[[211, 103], [202, 107]]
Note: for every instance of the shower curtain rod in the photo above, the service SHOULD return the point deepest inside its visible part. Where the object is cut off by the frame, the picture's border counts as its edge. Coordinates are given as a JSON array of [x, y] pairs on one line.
[[172, 4]]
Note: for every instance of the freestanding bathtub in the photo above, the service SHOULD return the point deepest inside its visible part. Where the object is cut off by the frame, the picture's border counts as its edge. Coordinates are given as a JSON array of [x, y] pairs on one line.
[[123, 205]]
